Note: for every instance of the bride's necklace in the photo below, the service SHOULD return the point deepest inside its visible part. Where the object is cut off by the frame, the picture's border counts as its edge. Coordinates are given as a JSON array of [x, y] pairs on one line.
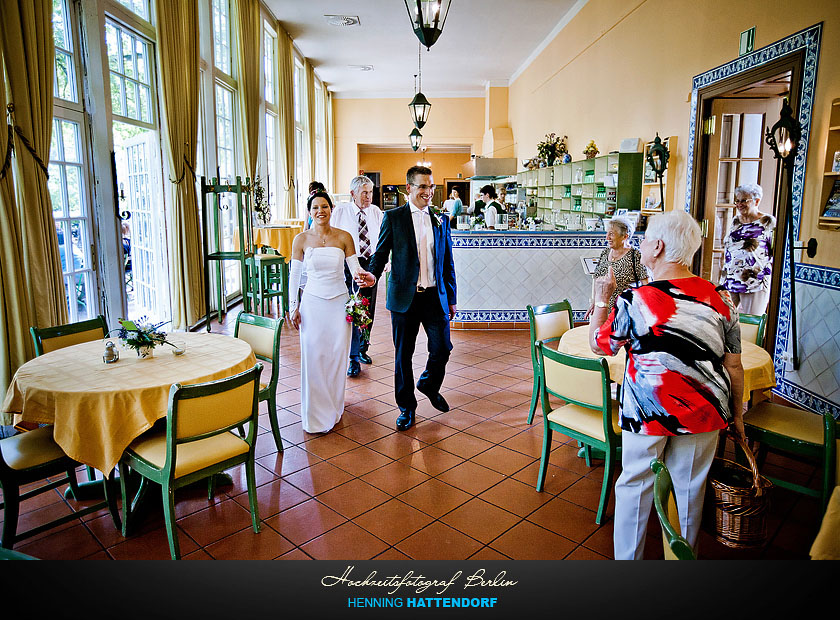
[[322, 238]]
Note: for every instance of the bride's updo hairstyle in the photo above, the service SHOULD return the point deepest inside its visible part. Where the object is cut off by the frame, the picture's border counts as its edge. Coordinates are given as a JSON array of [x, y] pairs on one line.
[[315, 195]]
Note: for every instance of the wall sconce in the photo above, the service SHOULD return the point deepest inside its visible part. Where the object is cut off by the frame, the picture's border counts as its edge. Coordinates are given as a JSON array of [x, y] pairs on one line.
[[783, 139], [657, 157], [427, 18]]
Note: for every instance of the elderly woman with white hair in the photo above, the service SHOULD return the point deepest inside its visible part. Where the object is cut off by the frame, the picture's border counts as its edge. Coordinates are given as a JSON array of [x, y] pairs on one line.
[[624, 260], [747, 252], [683, 381]]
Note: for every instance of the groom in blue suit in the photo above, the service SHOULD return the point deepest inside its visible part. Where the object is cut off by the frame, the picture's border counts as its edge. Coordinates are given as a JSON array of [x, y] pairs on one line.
[[421, 290]]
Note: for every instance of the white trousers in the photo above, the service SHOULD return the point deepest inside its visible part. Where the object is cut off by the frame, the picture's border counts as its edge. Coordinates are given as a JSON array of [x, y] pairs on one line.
[[754, 303], [688, 459]]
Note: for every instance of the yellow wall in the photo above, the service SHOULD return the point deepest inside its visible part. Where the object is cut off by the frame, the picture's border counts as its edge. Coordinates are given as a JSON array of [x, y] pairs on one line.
[[623, 69], [455, 121], [394, 165]]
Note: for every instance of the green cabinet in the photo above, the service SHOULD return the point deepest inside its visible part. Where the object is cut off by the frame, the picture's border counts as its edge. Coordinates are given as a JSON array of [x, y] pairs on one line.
[[567, 194]]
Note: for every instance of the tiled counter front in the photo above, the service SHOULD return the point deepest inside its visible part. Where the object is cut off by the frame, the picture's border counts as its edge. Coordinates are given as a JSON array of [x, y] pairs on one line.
[[500, 273]]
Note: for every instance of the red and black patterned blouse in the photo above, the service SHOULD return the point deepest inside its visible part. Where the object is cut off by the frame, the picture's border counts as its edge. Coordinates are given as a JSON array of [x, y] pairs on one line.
[[677, 333]]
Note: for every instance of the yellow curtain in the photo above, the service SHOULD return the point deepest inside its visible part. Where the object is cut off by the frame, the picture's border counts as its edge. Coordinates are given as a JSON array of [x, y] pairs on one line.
[[286, 105], [16, 309], [178, 58], [248, 25], [329, 137], [28, 48], [309, 71]]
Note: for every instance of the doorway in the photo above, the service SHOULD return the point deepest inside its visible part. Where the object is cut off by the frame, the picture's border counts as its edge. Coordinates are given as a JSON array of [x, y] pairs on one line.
[[733, 117]]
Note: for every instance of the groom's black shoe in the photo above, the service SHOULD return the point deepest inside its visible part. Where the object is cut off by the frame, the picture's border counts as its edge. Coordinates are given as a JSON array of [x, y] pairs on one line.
[[354, 369], [438, 402], [406, 420], [364, 358]]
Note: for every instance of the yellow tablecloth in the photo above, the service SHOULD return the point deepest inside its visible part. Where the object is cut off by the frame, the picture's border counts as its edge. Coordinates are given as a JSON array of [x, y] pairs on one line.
[[758, 366], [98, 409], [279, 238], [827, 544]]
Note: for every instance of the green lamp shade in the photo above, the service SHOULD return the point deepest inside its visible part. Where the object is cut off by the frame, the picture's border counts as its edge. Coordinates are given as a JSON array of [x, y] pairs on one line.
[[415, 137], [427, 18], [419, 109]]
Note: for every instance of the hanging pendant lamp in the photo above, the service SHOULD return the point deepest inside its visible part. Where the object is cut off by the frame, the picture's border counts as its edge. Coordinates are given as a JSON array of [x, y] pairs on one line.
[[427, 18], [415, 137], [419, 107]]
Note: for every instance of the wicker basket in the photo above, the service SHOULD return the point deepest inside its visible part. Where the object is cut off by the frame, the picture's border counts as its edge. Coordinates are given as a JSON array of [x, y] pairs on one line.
[[737, 499]]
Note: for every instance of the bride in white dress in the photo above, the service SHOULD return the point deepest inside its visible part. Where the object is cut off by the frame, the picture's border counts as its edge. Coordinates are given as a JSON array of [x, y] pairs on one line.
[[320, 314]]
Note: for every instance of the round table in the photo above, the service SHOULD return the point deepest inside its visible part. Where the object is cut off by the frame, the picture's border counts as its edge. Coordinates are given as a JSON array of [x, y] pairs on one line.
[[278, 237], [759, 373], [98, 409]]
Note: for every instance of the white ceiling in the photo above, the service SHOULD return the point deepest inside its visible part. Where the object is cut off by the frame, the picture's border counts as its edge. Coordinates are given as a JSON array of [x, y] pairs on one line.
[[483, 42]]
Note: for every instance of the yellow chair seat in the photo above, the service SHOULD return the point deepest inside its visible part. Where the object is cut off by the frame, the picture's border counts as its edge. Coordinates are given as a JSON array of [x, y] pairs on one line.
[[586, 421], [192, 456], [794, 423], [31, 449]]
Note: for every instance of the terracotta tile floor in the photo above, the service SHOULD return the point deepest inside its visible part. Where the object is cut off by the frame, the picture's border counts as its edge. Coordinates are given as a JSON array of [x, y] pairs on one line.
[[458, 485]]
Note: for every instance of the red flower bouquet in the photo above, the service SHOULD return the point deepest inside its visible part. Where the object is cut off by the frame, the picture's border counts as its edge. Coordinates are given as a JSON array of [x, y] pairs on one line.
[[358, 313]]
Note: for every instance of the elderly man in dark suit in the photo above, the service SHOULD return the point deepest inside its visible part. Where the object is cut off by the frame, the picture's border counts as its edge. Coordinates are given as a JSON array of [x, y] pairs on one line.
[[421, 290]]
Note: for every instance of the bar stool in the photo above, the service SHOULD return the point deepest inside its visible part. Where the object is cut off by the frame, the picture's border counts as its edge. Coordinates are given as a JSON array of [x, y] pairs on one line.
[[268, 272]]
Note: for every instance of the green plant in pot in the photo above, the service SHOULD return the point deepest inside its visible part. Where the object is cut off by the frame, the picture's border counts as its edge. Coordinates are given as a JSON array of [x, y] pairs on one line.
[[552, 147]]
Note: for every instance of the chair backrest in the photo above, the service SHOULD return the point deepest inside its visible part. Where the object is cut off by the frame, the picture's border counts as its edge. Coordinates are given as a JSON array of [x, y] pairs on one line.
[[203, 410], [548, 323], [752, 327], [263, 334], [53, 338], [676, 547]]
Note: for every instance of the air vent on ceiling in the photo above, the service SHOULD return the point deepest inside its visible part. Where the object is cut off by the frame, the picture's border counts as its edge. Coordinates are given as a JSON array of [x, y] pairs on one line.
[[360, 67], [343, 20]]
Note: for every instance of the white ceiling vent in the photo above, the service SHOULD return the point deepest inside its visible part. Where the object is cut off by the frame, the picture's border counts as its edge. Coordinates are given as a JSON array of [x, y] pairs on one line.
[[343, 20], [360, 67]]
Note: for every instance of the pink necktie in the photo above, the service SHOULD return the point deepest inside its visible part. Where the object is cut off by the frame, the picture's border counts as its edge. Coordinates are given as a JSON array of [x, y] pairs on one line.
[[424, 252]]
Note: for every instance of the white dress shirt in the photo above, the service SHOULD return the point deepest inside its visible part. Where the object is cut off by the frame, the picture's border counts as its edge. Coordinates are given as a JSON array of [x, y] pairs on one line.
[[346, 217], [423, 227], [490, 214]]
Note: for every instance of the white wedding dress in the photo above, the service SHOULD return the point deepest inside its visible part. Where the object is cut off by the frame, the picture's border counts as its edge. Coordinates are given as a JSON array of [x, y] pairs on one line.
[[324, 339]]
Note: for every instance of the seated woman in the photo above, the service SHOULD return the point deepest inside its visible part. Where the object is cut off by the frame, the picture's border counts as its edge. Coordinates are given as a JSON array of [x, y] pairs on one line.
[[748, 252], [683, 382], [624, 259]]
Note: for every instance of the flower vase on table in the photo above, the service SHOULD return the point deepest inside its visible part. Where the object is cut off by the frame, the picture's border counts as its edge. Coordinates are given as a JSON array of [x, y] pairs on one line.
[[142, 337]]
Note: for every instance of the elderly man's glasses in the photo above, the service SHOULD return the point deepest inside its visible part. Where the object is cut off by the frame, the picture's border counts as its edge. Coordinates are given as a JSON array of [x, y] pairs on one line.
[[424, 188], [743, 201]]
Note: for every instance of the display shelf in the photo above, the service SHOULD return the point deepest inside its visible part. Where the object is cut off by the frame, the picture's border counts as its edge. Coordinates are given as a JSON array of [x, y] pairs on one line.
[[830, 212]]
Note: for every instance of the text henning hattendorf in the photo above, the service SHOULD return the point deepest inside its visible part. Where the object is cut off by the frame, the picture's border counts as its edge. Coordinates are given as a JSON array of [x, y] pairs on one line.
[[419, 581]]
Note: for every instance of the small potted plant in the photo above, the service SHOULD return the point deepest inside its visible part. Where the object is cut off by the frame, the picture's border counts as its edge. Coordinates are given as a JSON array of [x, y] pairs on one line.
[[591, 150], [552, 147], [141, 336]]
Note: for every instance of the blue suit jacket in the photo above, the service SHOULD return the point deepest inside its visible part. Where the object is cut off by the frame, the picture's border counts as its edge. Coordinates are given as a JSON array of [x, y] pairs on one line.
[[396, 237]]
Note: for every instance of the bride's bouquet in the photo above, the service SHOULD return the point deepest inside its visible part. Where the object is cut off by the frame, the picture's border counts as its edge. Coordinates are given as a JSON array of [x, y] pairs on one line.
[[358, 313]]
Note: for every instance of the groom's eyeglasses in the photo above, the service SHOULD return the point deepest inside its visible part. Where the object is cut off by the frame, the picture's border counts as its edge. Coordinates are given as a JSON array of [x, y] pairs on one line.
[[424, 188]]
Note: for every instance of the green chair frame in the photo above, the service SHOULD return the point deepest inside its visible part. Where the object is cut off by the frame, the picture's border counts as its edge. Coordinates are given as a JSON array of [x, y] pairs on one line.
[[96, 326], [533, 313], [612, 443], [97, 329], [11, 481], [269, 278], [824, 453], [165, 475], [663, 495], [759, 320], [269, 392]]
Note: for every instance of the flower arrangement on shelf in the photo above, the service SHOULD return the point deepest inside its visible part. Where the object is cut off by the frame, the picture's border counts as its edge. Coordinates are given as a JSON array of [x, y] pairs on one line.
[[141, 336], [477, 220], [358, 313], [552, 147], [261, 207], [591, 150]]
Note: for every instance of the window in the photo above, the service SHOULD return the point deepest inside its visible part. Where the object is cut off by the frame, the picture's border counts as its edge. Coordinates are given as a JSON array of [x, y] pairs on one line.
[[271, 117], [320, 130], [128, 61], [139, 7], [300, 183], [65, 73], [221, 36]]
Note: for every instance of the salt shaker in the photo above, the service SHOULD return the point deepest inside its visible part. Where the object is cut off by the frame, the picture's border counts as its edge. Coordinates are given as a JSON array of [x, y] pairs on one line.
[[111, 354]]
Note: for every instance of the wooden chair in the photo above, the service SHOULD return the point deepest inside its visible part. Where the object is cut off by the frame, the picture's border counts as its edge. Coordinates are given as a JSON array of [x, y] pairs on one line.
[[548, 324], [196, 444], [268, 274], [33, 456], [589, 416], [263, 334], [48, 339], [675, 546], [752, 327], [800, 433]]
